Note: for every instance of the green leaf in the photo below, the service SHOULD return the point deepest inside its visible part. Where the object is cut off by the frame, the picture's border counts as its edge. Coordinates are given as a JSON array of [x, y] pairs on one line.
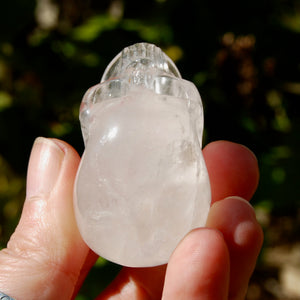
[[93, 27]]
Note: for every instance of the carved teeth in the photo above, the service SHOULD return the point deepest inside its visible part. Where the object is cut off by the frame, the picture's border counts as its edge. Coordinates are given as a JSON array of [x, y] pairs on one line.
[[144, 53]]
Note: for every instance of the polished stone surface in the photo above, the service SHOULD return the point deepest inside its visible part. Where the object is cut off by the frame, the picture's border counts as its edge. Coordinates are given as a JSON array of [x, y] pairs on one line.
[[142, 184]]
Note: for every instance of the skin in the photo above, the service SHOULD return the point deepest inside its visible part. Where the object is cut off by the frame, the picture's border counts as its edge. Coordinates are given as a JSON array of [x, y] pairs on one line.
[[46, 257]]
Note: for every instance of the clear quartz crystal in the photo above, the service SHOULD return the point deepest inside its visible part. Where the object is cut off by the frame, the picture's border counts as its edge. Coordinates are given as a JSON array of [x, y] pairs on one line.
[[142, 184]]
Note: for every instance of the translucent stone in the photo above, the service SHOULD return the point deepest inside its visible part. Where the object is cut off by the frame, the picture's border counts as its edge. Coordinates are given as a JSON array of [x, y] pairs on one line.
[[142, 184]]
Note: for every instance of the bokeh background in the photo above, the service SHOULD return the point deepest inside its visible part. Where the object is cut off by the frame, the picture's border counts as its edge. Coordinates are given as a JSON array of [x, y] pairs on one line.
[[243, 56]]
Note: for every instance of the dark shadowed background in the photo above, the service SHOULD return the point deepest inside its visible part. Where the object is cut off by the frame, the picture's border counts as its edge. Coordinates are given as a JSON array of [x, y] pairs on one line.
[[243, 56]]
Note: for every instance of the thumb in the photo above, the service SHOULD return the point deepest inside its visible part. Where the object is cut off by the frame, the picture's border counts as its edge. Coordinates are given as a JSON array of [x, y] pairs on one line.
[[45, 254]]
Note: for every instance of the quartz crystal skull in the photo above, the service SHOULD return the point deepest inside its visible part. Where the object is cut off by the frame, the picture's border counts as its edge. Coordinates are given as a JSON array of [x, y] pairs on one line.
[[142, 183]]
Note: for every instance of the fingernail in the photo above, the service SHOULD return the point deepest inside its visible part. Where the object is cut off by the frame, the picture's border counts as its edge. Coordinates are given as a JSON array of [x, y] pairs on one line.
[[44, 167]]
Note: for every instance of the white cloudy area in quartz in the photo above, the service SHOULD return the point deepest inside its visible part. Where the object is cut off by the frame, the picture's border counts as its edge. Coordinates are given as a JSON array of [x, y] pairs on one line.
[[142, 184]]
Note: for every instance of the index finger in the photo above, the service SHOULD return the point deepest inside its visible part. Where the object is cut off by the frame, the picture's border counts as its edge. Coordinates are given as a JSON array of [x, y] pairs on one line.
[[232, 168]]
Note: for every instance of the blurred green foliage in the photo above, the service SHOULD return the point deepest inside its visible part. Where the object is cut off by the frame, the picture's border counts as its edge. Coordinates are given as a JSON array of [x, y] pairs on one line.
[[242, 55]]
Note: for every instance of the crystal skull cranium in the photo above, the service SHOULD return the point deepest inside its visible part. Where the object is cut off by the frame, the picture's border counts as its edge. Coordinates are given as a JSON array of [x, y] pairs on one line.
[[142, 183]]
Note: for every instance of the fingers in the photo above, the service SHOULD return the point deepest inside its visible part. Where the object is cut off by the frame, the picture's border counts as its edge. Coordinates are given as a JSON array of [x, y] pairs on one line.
[[235, 218], [232, 169], [198, 268], [47, 244], [44, 256], [216, 263]]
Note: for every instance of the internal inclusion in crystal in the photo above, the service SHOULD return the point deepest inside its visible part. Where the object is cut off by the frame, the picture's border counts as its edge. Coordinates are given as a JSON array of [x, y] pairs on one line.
[[142, 183]]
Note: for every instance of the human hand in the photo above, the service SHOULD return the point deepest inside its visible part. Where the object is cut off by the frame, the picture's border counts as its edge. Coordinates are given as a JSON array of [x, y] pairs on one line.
[[46, 257]]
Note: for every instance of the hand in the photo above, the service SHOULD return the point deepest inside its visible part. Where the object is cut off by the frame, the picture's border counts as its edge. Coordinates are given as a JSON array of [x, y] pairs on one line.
[[46, 257]]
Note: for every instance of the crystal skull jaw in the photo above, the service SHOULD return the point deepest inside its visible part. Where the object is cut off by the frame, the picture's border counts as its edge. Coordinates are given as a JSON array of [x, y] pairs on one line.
[[142, 184]]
